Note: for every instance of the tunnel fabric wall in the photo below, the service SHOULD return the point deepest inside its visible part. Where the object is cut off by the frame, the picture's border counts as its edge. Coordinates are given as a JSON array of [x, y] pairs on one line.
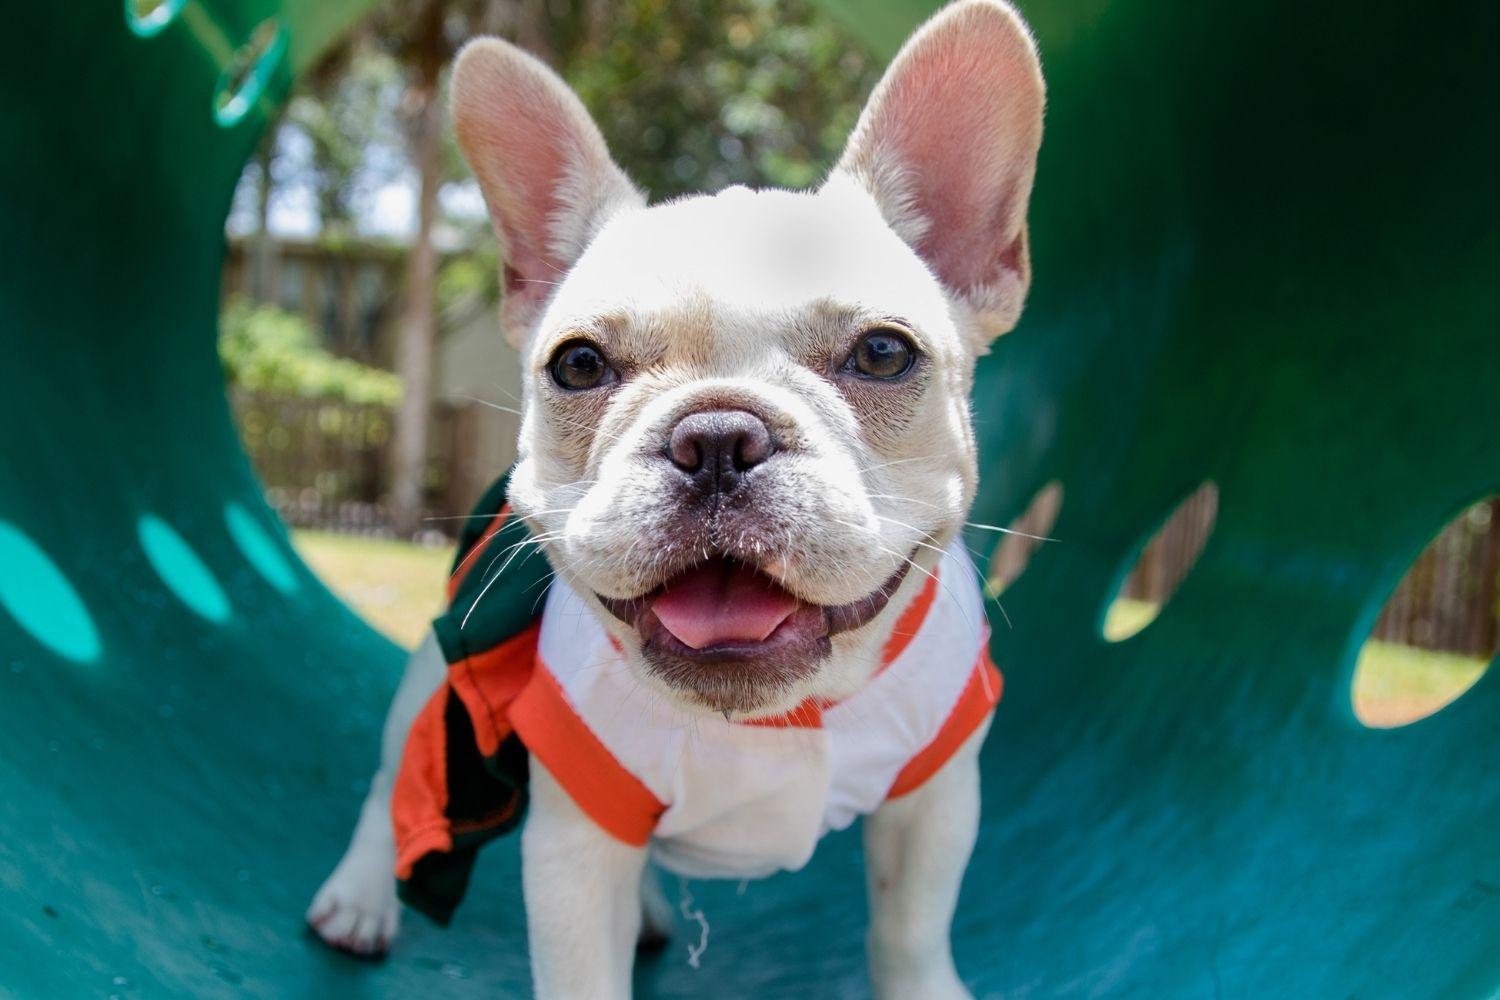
[[1265, 245]]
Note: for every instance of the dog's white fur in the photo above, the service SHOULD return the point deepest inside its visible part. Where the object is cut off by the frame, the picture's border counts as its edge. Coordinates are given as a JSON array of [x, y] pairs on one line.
[[731, 300]]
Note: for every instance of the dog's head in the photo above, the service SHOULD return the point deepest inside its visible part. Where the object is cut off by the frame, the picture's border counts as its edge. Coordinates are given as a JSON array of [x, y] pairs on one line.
[[745, 428]]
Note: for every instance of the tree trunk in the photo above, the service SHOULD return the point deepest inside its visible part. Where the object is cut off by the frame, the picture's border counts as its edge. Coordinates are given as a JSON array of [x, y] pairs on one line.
[[262, 283], [533, 30], [414, 353], [1483, 636]]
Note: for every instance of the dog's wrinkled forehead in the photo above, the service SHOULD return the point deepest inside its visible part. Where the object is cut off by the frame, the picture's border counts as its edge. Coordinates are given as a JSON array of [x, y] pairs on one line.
[[773, 256]]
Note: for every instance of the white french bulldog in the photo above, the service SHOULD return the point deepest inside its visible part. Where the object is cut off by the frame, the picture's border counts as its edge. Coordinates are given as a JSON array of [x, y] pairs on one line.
[[746, 450]]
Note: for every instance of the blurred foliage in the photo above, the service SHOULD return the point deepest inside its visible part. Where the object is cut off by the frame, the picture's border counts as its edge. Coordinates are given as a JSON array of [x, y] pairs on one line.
[[694, 96], [267, 349], [469, 280], [691, 95], [346, 113]]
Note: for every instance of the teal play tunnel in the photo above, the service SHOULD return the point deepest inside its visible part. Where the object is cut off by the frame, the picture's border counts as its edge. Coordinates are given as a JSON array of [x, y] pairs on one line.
[[1267, 239]]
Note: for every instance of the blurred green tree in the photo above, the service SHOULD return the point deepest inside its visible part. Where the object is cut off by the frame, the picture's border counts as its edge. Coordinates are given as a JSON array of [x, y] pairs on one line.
[[422, 36], [691, 96], [694, 96], [266, 349]]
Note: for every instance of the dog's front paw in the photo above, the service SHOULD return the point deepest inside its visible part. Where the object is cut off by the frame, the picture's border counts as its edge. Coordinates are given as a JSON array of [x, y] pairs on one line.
[[356, 910]]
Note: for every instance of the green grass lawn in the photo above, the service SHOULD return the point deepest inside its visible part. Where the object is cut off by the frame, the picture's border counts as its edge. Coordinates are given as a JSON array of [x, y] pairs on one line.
[[1126, 617], [395, 586], [1395, 684], [398, 587]]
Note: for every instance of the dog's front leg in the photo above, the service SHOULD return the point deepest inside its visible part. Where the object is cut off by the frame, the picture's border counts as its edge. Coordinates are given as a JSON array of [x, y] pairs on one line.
[[916, 850], [583, 908], [356, 908]]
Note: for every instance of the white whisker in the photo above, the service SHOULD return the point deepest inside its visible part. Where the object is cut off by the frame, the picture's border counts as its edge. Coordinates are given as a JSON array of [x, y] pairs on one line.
[[1008, 531]]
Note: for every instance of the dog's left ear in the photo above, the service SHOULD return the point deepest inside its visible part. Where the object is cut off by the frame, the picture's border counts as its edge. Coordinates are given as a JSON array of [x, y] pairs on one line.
[[947, 145], [541, 162]]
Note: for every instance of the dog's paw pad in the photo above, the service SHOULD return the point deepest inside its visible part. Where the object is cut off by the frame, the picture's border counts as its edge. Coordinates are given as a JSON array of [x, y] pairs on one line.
[[356, 913]]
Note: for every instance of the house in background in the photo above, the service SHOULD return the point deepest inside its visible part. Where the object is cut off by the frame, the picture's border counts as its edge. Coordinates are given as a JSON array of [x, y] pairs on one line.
[[351, 291]]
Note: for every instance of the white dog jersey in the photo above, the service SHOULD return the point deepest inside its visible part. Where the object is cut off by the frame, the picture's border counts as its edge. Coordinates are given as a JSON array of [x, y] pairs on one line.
[[709, 798], [721, 799]]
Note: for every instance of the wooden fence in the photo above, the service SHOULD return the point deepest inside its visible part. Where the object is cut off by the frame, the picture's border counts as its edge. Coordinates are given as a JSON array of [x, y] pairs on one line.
[[1448, 600], [325, 463], [1171, 552]]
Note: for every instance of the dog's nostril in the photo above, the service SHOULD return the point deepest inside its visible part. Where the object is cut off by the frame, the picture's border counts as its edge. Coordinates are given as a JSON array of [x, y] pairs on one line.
[[719, 443], [684, 452], [753, 446]]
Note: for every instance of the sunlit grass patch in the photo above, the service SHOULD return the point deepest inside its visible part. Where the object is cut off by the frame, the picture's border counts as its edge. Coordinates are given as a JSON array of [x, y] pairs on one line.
[[1395, 685], [396, 586], [1127, 616]]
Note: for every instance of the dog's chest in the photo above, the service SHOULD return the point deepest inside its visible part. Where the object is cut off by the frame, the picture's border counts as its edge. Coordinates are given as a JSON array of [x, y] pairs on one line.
[[744, 800]]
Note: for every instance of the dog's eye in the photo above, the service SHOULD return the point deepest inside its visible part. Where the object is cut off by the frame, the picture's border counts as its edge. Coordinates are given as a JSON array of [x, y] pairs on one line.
[[579, 364], [882, 353]]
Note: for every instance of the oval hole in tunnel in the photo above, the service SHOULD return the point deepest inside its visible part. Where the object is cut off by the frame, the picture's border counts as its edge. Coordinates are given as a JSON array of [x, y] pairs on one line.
[[260, 549], [151, 17], [1023, 536], [1158, 567], [248, 73], [181, 569], [39, 597], [1439, 630]]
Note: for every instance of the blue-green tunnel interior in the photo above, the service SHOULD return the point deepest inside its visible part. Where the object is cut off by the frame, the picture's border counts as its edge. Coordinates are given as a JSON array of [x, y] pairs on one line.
[[1266, 247]]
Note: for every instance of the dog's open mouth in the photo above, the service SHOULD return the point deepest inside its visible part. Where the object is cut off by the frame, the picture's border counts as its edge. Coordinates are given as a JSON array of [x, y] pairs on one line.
[[723, 602], [734, 639]]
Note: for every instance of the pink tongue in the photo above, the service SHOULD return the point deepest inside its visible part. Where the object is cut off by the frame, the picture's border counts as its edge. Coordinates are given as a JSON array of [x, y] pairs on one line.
[[722, 602]]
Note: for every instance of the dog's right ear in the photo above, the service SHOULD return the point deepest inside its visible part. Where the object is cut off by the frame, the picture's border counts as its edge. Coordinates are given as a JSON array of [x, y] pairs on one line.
[[541, 162]]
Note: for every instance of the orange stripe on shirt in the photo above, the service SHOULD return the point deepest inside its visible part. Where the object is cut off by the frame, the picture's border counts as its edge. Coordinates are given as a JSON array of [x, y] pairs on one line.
[[488, 682], [592, 776], [808, 714], [909, 624], [974, 705], [419, 798]]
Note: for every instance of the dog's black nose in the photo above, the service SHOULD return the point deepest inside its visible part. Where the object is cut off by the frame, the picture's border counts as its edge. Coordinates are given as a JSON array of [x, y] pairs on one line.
[[717, 447]]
